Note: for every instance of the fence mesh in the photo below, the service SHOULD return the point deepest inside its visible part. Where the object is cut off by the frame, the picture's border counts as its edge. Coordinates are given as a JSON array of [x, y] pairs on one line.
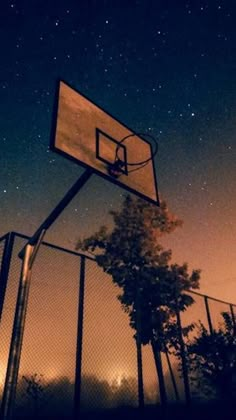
[[109, 355], [49, 345], [109, 377]]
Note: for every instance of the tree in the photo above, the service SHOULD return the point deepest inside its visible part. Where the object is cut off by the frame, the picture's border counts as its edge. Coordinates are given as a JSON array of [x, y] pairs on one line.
[[213, 359], [151, 288], [35, 390]]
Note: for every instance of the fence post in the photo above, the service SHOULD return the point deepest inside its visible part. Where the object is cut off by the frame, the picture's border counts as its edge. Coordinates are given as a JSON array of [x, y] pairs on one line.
[[172, 375], [233, 317], [5, 267], [208, 314], [140, 374], [183, 356], [79, 346], [139, 346]]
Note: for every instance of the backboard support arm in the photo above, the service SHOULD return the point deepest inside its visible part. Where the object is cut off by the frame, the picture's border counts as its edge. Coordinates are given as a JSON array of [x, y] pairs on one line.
[[59, 208]]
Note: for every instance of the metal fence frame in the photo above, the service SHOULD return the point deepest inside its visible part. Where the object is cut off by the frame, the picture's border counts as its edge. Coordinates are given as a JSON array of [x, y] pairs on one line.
[[9, 240]]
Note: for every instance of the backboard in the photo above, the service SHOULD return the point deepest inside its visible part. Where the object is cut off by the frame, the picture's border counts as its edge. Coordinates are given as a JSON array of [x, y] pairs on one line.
[[86, 133]]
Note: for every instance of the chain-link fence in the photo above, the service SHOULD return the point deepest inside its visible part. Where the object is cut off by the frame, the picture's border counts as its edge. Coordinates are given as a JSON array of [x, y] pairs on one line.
[[78, 344]]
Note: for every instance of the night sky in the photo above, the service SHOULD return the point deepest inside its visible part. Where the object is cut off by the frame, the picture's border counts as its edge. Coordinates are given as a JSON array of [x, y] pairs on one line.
[[167, 68]]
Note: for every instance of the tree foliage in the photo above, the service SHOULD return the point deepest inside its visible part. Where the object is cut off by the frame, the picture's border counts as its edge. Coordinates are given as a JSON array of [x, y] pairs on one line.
[[213, 359], [35, 387], [151, 288], [132, 254]]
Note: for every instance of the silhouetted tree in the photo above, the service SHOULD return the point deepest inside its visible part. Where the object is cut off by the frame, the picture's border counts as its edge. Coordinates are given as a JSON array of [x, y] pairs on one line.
[[152, 289], [35, 390], [213, 359]]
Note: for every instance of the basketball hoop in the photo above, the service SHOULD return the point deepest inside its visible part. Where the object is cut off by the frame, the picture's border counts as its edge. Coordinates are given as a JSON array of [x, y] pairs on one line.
[[116, 169], [140, 164]]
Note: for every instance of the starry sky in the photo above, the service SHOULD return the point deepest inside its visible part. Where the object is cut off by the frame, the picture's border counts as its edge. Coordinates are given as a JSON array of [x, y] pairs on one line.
[[162, 67]]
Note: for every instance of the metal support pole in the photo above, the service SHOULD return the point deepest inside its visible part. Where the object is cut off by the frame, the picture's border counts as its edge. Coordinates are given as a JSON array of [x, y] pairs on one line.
[[208, 314], [5, 267], [17, 337], [172, 376], [140, 375], [233, 317], [59, 208], [183, 356], [139, 350], [79, 347]]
